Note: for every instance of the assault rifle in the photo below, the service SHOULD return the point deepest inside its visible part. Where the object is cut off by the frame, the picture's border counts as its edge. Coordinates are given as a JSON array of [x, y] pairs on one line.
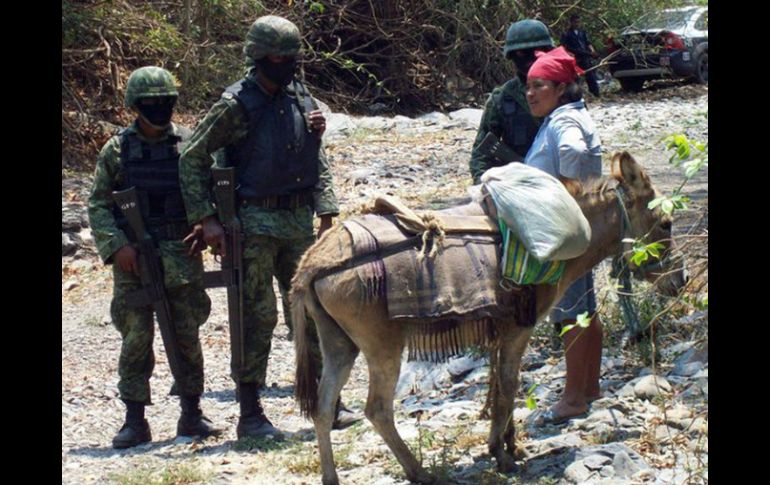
[[153, 290], [231, 274], [492, 146]]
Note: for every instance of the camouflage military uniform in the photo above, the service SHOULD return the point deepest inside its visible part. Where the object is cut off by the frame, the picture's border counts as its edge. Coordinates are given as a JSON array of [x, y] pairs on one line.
[[275, 238], [183, 279], [494, 120], [506, 113]]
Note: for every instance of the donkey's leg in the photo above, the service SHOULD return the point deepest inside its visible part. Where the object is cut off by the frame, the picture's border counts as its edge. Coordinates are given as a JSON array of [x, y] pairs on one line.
[[339, 354], [384, 367], [502, 437]]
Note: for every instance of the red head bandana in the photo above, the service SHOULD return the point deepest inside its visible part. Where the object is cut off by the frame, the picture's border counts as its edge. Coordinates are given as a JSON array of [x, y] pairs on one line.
[[556, 65]]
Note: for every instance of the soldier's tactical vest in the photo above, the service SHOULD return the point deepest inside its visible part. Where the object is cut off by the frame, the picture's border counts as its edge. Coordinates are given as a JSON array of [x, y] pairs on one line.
[[519, 128], [154, 170], [280, 155]]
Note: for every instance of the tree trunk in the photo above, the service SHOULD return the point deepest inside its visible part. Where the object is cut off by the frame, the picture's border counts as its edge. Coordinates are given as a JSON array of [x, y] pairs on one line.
[[187, 17]]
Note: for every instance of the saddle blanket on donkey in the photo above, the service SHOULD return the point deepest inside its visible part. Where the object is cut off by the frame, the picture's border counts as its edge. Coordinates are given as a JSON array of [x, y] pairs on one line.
[[439, 271]]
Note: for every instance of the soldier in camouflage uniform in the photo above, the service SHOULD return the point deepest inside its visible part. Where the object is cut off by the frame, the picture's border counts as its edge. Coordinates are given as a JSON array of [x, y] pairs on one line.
[[271, 131], [146, 155], [506, 113]]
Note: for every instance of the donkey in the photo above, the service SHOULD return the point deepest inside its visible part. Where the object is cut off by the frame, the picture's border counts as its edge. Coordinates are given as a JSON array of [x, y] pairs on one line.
[[616, 208]]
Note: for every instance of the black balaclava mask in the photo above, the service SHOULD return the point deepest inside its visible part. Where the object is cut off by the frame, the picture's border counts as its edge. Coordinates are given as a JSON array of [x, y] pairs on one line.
[[281, 73], [157, 114], [523, 62]]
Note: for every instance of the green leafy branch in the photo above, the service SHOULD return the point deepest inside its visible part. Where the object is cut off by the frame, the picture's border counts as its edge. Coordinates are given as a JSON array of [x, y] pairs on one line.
[[582, 321], [692, 157], [643, 252]]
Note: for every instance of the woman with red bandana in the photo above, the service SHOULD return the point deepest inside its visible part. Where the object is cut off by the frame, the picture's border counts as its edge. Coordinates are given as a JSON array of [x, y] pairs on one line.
[[567, 147]]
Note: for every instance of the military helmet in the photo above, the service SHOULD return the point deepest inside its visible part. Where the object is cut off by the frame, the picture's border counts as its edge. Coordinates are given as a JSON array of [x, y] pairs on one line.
[[272, 35], [149, 82], [526, 34]]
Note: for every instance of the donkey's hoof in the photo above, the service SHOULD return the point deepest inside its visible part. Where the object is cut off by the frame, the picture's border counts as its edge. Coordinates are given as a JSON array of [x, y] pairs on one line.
[[506, 464], [330, 480], [423, 477]]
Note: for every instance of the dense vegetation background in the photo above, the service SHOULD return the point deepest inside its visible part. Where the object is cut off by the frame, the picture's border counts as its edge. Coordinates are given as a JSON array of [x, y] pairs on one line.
[[394, 56]]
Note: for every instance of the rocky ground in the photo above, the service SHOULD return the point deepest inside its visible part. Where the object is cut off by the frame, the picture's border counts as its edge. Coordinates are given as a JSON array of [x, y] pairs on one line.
[[651, 426]]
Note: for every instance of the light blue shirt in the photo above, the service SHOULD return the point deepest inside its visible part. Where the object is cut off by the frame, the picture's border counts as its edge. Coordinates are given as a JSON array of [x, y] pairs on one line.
[[567, 144]]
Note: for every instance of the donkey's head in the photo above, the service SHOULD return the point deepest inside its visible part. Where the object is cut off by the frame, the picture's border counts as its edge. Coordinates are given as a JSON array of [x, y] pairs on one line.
[[636, 191]]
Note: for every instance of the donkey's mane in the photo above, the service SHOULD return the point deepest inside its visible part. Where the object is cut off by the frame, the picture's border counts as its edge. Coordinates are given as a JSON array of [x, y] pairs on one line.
[[595, 191]]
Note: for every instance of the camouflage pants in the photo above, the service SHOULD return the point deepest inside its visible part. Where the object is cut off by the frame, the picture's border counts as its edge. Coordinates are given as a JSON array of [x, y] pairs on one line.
[[190, 307], [263, 258]]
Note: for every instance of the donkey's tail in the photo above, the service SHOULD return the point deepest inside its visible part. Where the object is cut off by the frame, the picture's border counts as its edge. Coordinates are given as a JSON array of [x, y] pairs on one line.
[[318, 257], [306, 377]]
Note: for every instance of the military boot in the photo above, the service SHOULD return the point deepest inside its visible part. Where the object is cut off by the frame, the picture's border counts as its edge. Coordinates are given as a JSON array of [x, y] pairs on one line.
[[136, 429], [253, 423], [344, 417], [192, 422]]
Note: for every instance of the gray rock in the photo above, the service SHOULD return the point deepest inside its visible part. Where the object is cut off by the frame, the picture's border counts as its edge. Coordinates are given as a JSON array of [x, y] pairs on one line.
[[698, 390], [577, 472], [646, 371], [548, 445], [323, 107], [461, 366], [677, 349], [611, 417], [377, 123], [696, 354], [608, 402], [360, 176], [338, 124], [628, 389], [623, 464], [675, 476], [606, 433], [679, 412], [521, 414], [454, 411], [651, 386], [612, 450], [665, 433], [82, 265], [687, 369], [480, 374], [596, 462], [434, 118], [543, 370], [403, 122], [469, 116], [607, 471], [70, 243], [73, 217], [693, 318]]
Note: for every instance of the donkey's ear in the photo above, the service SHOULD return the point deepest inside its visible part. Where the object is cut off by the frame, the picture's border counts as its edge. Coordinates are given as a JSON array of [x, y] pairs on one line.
[[625, 169]]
